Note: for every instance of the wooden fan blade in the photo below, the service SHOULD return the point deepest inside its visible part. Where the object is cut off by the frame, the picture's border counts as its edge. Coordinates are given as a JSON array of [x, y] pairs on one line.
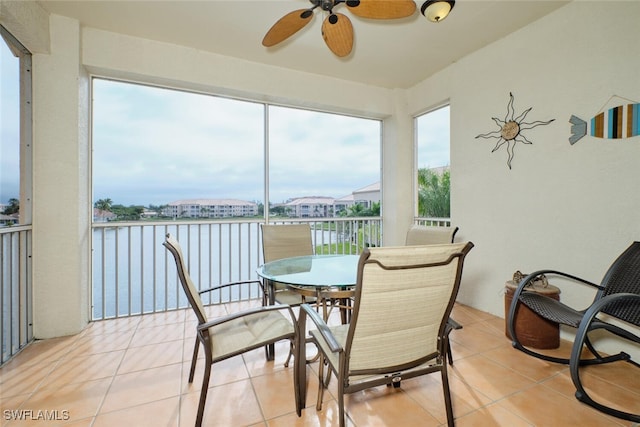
[[382, 9], [287, 26], [337, 33]]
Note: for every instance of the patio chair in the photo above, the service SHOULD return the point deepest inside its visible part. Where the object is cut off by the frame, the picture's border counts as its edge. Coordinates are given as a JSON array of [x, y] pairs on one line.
[[285, 241], [235, 333], [423, 235], [398, 327], [615, 305]]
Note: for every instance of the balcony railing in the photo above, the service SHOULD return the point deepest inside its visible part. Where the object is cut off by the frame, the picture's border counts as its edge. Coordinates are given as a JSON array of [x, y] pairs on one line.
[[16, 317], [433, 222], [134, 274]]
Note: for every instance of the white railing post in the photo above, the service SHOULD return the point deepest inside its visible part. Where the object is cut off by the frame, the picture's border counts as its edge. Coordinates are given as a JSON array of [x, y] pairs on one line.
[[16, 290]]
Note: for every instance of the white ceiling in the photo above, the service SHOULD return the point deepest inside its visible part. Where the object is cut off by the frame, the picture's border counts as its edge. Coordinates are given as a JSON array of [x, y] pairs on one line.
[[387, 53]]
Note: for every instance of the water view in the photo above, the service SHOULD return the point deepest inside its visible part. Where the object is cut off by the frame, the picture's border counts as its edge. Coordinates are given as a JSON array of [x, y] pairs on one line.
[[133, 273]]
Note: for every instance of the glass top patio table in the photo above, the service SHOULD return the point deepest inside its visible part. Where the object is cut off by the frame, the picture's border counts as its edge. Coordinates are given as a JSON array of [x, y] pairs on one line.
[[326, 277], [318, 271]]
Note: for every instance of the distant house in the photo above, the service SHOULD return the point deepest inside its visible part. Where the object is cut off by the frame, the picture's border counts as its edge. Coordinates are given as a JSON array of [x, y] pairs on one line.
[[439, 170], [100, 215], [8, 220], [148, 213], [210, 208], [365, 196]]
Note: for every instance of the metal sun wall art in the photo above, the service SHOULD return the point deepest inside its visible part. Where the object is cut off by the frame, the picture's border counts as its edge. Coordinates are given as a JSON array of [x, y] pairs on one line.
[[510, 131]]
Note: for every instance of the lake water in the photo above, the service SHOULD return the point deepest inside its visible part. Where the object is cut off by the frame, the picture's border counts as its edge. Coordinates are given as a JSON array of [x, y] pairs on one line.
[[139, 274]]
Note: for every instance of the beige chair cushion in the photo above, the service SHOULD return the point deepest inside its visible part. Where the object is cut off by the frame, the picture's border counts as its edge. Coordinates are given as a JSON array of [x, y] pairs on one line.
[[237, 335], [286, 241], [423, 235]]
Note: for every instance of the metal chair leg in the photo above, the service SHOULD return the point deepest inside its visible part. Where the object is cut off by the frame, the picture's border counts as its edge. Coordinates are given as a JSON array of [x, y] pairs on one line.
[[194, 359]]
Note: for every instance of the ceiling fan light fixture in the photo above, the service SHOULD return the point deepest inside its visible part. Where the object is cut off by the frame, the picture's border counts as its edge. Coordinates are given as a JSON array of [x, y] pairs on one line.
[[437, 10]]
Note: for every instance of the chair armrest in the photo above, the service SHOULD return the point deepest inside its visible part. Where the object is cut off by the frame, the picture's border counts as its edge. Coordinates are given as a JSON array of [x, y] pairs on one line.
[[322, 328], [226, 285], [599, 306], [529, 278], [585, 327], [223, 319]]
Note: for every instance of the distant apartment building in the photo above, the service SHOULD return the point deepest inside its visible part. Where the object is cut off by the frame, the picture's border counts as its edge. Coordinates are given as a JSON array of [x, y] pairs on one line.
[[210, 208], [320, 207], [365, 196], [309, 207]]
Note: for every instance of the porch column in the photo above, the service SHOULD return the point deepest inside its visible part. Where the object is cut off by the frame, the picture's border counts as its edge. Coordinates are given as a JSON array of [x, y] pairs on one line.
[[397, 171], [61, 185]]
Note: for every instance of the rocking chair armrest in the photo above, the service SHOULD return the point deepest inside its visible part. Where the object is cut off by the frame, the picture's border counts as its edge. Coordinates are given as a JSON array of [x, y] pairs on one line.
[[226, 285], [530, 277], [262, 309], [585, 323], [322, 328], [599, 306]]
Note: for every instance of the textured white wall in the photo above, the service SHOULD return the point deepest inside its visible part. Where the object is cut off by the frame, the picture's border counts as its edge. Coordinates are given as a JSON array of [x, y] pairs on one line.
[[562, 206]]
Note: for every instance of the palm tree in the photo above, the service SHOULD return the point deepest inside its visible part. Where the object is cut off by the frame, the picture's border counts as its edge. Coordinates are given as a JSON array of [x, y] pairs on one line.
[[103, 204], [434, 196], [374, 210], [13, 207], [355, 210]]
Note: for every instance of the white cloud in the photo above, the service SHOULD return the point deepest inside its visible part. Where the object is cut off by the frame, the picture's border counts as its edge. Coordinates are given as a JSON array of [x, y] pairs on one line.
[[433, 138], [153, 146]]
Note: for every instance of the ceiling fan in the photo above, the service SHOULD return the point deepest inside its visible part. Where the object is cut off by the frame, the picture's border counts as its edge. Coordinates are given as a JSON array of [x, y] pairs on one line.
[[337, 30]]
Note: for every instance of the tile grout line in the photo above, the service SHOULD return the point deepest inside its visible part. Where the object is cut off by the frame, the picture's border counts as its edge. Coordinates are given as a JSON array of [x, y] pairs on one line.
[[115, 373]]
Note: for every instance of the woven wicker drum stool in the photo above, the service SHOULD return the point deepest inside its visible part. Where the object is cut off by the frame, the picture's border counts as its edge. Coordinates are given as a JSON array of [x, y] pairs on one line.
[[531, 329]]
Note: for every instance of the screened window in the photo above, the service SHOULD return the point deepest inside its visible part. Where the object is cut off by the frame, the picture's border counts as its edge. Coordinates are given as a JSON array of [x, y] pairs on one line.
[[319, 158], [433, 172], [154, 147], [178, 154], [15, 131], [16, 295], [210, 170]]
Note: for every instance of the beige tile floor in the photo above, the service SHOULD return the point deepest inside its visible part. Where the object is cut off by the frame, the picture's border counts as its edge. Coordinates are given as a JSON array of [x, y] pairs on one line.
[[133, 372]]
